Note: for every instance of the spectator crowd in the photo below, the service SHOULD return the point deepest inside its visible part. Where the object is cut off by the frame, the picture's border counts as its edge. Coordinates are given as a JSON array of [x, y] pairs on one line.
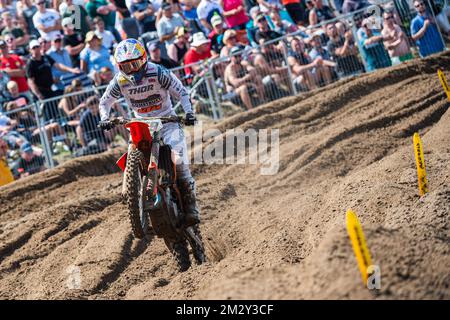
[[265, 49]]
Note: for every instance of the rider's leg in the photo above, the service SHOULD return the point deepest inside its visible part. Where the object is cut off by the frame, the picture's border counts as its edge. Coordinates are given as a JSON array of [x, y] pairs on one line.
[[173, 135]]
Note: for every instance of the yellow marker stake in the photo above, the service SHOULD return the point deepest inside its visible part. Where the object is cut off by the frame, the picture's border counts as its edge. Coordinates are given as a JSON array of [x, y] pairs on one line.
[[444, 83], [359, 244], [420, 162]]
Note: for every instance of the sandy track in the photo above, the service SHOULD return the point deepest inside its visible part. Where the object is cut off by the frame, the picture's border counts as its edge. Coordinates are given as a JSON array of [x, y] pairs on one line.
[[345, 146]]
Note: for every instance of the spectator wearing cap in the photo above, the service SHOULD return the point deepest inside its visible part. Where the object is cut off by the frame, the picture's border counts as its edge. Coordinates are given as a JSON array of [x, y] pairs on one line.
[[206, 10], [230, 41], [234, 13], [178, 49], [371, 42], [241, 80], [264, 32], [144, 13], [30, 162], [13, 48], [22, 38], [395, 40], [343, 51], [40, 78], [106, 11], [108, 40], [200, 50], [6, 175], [425, 32], [251, 25], [14, 66], [73, 41], [168, 25], [216, 35], [155, 57], [60, 55], [94, 57], [319, 13], [75, 11], [47, 21]]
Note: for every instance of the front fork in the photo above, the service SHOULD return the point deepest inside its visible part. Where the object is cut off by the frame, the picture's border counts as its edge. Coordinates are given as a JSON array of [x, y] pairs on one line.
[[152, 169]]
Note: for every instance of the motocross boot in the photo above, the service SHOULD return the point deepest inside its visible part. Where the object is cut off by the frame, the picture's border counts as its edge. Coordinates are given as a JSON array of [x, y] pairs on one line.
[[187, 190]]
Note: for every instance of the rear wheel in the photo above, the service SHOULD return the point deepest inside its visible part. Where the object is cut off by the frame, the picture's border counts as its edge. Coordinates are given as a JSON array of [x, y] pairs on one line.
[[135, 194]]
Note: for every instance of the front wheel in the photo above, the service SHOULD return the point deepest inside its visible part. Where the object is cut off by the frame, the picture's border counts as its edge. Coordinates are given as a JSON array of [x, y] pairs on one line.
[[135, 193]]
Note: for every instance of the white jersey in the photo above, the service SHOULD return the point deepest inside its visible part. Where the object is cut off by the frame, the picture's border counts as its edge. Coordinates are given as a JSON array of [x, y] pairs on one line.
[[151, 97]]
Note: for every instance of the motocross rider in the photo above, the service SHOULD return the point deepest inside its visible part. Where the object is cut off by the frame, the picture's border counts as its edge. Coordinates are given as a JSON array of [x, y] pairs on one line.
[[146, 88]]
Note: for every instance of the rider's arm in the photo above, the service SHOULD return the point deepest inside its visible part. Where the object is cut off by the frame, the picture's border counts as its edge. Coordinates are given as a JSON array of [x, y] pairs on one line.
[[170, 82], [111, 94]]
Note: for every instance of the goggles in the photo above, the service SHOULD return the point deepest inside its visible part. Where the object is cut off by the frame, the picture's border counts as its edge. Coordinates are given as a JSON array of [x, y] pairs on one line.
[[129, 67]]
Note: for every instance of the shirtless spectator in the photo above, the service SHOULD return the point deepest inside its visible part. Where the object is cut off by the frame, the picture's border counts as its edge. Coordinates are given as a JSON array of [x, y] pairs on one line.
[[396, 41], [242, 80]]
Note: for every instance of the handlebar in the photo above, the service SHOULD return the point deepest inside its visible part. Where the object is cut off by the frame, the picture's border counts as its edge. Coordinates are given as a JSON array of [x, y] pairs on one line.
[[123, 121]]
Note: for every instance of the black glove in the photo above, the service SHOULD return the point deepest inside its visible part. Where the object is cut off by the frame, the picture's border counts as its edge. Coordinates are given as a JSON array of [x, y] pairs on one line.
[[190, 119], [106, 125]]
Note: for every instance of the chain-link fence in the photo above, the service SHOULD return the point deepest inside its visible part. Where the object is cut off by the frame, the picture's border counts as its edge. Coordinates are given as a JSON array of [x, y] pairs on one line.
[[49, 132]]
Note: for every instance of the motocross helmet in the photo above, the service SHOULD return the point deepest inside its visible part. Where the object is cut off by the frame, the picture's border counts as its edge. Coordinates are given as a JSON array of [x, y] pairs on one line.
[[131, 59]]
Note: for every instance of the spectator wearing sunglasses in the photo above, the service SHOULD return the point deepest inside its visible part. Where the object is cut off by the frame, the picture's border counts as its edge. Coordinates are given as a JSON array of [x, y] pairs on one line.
[[425, 32], [395, 40], [73, 41], [47, 21], [13, 48]]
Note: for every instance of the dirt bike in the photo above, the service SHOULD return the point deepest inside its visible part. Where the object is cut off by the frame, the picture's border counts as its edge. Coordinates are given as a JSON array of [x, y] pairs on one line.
[[152, 193]]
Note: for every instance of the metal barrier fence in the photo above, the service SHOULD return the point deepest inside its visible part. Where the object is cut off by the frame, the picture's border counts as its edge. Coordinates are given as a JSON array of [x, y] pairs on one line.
[[48, 132]]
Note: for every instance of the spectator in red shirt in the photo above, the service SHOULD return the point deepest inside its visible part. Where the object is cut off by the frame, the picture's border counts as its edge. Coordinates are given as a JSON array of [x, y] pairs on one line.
[[200, 50], [14, 66]]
